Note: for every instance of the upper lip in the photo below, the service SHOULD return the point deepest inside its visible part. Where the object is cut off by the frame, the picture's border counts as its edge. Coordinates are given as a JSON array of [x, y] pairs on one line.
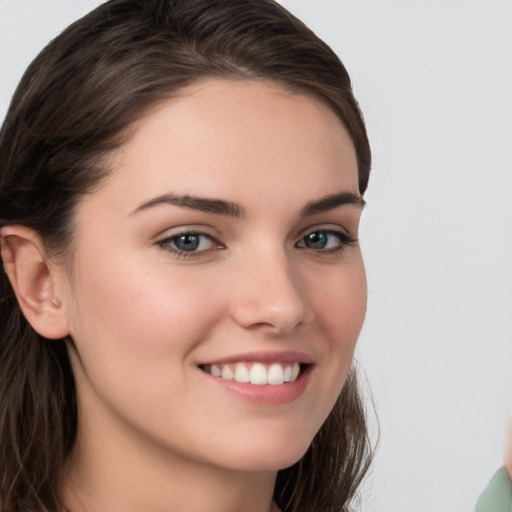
[[286, 356]]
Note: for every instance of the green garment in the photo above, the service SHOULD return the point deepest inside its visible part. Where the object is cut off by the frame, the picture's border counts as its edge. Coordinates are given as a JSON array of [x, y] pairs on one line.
[[497, 496]]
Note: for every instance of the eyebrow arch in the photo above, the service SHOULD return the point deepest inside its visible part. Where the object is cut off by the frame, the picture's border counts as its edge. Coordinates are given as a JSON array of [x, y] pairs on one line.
[[230, 209], [332, 201], [203, 204]]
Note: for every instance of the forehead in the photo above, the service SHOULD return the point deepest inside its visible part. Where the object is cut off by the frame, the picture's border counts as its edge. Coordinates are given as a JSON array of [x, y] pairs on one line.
[[235, 138]]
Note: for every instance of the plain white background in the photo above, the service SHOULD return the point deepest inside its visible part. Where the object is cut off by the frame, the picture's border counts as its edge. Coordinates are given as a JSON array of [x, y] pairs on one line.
[[434, 79]]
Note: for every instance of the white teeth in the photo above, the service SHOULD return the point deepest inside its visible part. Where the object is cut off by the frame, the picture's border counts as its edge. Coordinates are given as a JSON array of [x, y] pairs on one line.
[[295, 371], [227, 373], [242, 373], [258, 374], [275, 375]]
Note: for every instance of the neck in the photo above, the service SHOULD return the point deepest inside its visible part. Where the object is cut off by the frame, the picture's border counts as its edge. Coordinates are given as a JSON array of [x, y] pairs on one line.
[[125, 474]]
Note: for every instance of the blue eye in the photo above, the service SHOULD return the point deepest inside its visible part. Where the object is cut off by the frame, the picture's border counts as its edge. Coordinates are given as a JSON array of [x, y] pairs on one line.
[[317, 240], [187, 243], [326, 240]]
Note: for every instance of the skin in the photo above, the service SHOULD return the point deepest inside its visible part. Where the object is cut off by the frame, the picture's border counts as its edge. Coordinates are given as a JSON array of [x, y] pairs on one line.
[[155, 431]]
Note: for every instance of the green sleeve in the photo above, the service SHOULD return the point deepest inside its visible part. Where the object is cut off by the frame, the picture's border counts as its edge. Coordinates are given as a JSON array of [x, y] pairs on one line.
[[497, 496]]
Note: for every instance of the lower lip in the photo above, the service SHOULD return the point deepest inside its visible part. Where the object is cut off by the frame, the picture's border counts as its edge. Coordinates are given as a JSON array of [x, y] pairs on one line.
[[265, 394]]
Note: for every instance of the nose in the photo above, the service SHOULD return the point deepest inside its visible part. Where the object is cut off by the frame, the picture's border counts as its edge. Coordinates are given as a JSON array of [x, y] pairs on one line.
[[269, 294]]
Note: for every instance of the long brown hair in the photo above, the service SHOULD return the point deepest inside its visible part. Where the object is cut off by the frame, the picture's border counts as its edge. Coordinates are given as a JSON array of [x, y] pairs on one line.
[[71, 109]]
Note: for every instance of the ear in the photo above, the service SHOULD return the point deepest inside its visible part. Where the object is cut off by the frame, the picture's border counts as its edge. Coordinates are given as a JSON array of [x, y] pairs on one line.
[[30, 274]]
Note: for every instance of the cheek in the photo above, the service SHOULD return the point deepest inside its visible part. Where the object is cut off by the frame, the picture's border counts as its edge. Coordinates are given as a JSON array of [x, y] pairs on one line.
[[133, 332], [340, 311], [144, 312], [341, 306]]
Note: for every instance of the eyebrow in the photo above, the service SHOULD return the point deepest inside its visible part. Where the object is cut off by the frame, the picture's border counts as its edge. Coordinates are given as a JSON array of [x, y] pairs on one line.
[[331, 202], [230, 209], [203, 204]]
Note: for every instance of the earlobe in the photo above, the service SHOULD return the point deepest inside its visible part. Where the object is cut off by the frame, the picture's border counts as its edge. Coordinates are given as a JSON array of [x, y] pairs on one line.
[[31, 277]]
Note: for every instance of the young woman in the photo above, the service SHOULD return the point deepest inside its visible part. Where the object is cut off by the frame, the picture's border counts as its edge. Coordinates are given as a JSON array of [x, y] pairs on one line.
[[180, 192], [181, 183]]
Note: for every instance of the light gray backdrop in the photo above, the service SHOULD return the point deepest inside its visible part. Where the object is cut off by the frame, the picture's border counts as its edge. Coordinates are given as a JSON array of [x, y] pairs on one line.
[[434, 79]]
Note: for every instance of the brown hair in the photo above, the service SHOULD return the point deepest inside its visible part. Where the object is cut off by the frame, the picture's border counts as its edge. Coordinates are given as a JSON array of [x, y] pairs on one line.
[[71, 108]]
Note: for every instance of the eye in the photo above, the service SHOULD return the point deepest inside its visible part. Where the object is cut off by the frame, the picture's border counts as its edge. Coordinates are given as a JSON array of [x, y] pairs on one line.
[[190, 243], [326, 240]]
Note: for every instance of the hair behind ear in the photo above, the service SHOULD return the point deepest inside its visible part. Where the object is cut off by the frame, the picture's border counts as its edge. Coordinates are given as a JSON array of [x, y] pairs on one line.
[[37, 395]]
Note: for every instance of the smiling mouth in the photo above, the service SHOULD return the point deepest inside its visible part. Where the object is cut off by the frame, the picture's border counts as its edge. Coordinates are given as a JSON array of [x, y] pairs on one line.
[[260, 374]]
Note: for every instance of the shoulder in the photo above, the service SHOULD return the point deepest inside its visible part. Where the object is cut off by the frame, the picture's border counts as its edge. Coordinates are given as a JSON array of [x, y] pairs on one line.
[[497, 496]]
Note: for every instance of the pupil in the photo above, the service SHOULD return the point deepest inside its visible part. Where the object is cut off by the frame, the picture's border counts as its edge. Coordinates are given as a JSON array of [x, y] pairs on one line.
[[187, 242], [316, 240]]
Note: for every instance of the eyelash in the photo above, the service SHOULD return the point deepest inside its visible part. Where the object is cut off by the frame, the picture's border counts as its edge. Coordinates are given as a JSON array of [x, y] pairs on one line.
[[344, 240]]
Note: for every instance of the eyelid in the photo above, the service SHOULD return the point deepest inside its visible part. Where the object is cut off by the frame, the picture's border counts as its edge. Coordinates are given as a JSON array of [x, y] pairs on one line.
[[185, 229], [329, 228]]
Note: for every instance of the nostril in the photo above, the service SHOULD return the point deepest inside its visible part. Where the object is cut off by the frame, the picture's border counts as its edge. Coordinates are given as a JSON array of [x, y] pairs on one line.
[[273, 313]]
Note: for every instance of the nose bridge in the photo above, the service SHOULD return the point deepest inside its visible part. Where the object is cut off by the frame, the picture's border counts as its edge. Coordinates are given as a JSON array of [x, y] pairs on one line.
[[269, 291]]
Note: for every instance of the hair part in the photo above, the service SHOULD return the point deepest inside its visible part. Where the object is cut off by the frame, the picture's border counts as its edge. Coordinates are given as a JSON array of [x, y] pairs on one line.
[[73, 107]]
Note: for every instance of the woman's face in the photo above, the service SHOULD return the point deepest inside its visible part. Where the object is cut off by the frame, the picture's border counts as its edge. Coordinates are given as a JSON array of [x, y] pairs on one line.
[[224, 242]]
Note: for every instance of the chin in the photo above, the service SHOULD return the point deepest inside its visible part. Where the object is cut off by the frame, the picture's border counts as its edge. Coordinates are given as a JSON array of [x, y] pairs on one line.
[[272, 455]]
